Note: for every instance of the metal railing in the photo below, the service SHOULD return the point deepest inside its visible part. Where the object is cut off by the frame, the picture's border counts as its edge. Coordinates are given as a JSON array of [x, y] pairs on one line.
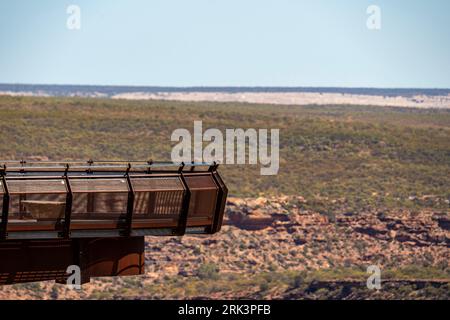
[[30, 171]]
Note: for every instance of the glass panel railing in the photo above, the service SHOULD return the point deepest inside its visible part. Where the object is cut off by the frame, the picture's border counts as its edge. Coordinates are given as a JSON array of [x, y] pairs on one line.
[[203, 195], [98, 203], [158, 201], [36, 205]]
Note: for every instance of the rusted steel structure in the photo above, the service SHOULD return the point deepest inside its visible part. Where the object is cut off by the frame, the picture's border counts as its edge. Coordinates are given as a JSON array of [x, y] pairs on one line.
[[95, 215]]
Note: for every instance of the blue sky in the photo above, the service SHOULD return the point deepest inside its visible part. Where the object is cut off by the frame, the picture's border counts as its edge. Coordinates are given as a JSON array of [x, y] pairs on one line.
[[226, 43]]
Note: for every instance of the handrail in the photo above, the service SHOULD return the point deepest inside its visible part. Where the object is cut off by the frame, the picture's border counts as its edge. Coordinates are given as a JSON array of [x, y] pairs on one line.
[[92, 163], [104, 167]]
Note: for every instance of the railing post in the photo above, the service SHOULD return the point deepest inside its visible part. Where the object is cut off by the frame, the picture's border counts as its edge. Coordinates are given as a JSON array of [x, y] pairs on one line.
[[221, 202], [130, 205], [149, 163], [5, 209], [213, 167], [68, 209], [182, 221]]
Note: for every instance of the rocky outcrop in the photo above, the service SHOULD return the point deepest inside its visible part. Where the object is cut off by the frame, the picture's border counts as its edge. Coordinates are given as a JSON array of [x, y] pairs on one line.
[[444, 223], [262, 235], [253, 214]]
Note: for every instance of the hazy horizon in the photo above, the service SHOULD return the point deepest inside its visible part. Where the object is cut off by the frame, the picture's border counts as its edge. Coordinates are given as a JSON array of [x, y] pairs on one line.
[[217, 86]]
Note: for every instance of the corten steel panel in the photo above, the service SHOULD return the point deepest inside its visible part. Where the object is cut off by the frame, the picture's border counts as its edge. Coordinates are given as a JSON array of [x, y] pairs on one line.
[[113, 256], [28, 261], [98, 185], [221, 203], [157, 201], [156, 184], [203, 196], [36, 205], [98, 203], [158, 204], [32, 260], [23, 186], [203, 181]]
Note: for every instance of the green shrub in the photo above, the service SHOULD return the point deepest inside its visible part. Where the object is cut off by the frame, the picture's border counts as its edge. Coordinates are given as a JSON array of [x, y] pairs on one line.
[[209, 271]]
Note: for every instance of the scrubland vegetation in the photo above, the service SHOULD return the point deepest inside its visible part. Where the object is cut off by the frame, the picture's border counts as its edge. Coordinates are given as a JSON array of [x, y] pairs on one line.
[[379, 175], [351, 156]]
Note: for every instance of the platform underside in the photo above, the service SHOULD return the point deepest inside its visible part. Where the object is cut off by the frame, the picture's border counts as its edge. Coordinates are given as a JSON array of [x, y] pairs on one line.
[[43, 260]]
